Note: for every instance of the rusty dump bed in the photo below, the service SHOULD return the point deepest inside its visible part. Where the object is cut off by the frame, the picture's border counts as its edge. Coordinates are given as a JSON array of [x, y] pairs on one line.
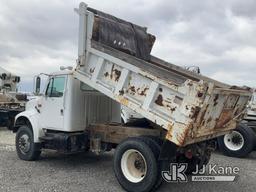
[[189, 107]]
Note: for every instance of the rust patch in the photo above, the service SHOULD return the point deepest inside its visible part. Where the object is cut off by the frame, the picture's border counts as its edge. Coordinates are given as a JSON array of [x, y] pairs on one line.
[[209, 120], [159, 100], [200, 94], [182, 135], [115, 74], [106, 74], [121, 92], [172, 109], [224, 118], [111, 74], [194, 112], [92, 70], [144, 92], [215, 100], [124, 101], [169, 133], [139, 91], [132, 88]]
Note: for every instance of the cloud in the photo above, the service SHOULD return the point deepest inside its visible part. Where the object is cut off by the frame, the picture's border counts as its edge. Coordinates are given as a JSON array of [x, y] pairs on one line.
[[218, 36]]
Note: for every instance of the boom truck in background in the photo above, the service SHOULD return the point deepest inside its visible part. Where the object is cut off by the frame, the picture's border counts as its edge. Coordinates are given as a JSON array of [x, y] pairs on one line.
[[80, 110], [11, 102]]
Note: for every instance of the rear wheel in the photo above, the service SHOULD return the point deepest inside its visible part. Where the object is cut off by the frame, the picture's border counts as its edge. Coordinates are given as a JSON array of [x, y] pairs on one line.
[[135, 165], [155, 144], [238, 143], [26, 148]]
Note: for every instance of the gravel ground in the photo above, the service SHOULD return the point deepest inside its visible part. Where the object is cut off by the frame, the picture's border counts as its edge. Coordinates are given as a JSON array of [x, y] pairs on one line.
[[88, 172]]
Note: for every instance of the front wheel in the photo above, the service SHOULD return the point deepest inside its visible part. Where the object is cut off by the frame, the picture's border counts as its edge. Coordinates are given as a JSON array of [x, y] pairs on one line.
[[26, 148], [135, 165], [238, 143]]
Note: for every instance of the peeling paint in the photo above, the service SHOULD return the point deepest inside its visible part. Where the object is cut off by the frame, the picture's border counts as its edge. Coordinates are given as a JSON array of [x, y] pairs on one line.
[[194, 112], [92, 70], [215, 100], [159, 100], [106, 74], [144, 92], [224, 118], [121, 92], [169, 134], [124, 101]]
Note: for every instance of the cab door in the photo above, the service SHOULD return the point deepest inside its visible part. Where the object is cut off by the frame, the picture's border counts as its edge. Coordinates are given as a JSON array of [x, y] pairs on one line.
[[52, 105]]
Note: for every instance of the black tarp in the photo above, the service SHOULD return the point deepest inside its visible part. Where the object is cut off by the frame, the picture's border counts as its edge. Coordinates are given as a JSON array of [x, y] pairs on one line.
[[122, 35]]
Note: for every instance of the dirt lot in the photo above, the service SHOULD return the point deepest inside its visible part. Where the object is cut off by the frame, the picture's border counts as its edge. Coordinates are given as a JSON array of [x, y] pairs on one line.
[[88, 172]]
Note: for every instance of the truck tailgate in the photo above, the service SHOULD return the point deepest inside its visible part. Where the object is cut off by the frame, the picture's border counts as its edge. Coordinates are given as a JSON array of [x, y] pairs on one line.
[[222, 110]]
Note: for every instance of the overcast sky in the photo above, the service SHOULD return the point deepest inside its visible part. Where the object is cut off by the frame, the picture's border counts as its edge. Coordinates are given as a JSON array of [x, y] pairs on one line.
[[218, 36]]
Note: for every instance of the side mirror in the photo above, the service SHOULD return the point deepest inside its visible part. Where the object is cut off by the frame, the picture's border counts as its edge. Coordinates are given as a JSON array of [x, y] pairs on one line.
[[38, 85]]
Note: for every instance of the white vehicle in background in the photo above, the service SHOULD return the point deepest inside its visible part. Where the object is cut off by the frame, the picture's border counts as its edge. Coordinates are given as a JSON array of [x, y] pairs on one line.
[[240, 142]]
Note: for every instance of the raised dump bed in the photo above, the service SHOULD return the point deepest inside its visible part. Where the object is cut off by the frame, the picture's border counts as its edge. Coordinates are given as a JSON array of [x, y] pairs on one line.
[[189, 106]]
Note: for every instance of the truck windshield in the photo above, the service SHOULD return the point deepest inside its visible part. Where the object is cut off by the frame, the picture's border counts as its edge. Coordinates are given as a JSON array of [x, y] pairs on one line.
[[55, 87]]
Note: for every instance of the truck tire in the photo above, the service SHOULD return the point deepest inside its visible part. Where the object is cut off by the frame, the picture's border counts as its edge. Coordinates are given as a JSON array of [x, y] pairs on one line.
[[26, 148], [157, 140], [239, 143], [135, 165], [155, 144]]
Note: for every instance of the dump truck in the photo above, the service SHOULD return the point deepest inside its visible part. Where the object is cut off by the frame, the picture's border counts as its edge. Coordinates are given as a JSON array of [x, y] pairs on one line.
[[11, 102], [80, 110]]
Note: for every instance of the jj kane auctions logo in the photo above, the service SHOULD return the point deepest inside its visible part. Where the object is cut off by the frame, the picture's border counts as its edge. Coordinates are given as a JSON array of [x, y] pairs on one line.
[[212, 172]]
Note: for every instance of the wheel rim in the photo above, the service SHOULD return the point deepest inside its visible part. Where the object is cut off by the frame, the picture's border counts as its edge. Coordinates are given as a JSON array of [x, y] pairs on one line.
[[24, 144], [134, 166], [234, 141]]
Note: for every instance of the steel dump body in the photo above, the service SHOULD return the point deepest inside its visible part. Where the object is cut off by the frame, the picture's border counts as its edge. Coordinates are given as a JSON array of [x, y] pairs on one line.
[[190, 107]]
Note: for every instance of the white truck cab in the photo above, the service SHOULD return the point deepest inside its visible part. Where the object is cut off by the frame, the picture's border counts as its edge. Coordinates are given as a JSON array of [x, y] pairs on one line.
[[67, 106]]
